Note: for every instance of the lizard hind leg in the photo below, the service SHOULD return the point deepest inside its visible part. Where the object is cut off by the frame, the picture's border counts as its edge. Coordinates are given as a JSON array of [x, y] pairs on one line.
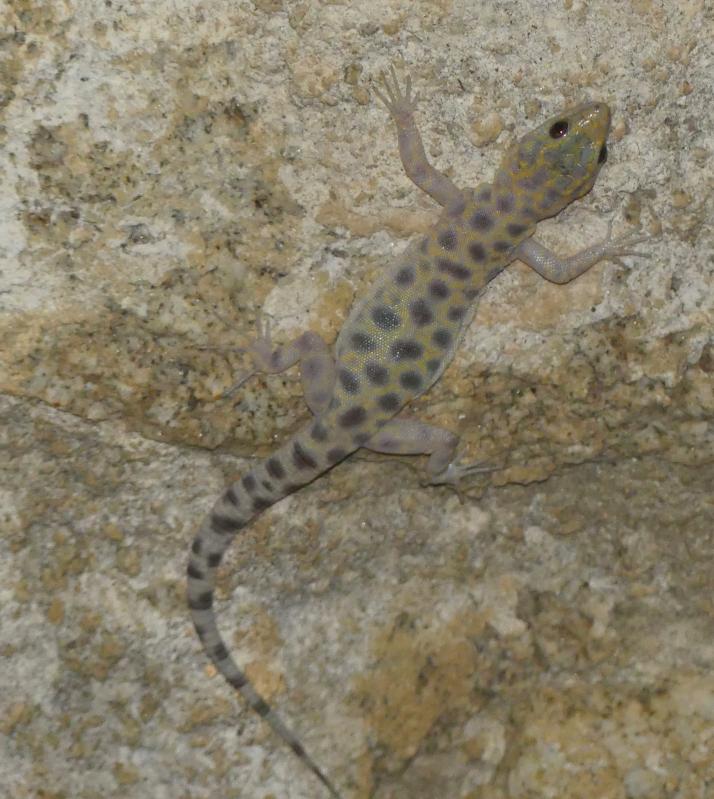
[[412, 437], [317, 366]]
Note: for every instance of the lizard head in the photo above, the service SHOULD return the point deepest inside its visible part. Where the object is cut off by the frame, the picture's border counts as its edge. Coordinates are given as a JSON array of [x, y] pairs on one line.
[[558, 162]]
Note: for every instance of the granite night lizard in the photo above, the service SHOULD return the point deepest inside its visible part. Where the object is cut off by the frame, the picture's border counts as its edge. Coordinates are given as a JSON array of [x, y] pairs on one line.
[[400, 337]]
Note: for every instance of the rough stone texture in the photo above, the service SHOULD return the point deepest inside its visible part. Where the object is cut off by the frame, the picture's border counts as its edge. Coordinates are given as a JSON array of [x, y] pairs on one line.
[[169, 169]]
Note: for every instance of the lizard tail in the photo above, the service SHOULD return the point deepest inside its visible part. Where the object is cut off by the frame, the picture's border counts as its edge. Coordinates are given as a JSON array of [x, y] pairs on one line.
[[289, 468]]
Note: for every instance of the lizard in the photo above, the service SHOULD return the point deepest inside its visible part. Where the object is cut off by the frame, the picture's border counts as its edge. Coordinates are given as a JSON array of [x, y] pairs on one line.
[[399, 338]]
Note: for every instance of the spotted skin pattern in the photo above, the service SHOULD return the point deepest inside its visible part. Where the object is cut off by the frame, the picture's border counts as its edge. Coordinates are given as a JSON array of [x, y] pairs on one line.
[[399, 339]]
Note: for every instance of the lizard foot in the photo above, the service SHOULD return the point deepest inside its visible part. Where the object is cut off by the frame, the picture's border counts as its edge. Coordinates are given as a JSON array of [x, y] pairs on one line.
[[398, 104], [455, 472], [614, 249], [260, 350]]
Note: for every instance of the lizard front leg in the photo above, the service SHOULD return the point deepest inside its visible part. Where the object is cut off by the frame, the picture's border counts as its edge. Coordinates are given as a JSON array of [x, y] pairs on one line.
[[411, 149], [562, 270]]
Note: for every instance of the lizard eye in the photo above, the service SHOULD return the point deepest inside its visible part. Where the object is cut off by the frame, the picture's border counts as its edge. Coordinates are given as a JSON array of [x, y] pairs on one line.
[[558, 129], [602, 157]]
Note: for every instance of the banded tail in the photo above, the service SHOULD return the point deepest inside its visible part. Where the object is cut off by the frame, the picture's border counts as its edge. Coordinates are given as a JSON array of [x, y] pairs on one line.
[[293, 465]]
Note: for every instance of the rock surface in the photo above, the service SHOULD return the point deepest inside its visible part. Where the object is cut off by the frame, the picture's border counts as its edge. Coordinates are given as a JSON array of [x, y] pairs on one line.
[[169, 169]]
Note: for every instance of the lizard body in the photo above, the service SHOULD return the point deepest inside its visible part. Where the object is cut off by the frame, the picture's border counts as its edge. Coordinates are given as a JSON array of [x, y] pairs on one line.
[[398, 339]]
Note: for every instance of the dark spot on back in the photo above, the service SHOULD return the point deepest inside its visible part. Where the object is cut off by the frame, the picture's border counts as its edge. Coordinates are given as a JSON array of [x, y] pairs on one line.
[[362, 342], [504, 203], [353, 417], [260, 504], [385, 318], [376, 374], [360, 439], [197, 546], [457, 270], [448, 240], [214, 559], [477, 251], [484, 194], [481, 220], [433, 364], [194, 572], [456, 313], [405, 276], [302, 458], [267, 485], [515, 229], [231, 496], [438, 289], [534, 181], [551, 195], [406, 350], [442, 338], [297, 747], [471, 293], [336, 454], [249, 483], [389, 402], [502, 246], [411, 380], [420, 313], [349, 381]]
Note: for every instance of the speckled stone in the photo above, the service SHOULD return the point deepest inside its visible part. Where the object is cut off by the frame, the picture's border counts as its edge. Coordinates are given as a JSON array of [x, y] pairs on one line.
[[169, 171]]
